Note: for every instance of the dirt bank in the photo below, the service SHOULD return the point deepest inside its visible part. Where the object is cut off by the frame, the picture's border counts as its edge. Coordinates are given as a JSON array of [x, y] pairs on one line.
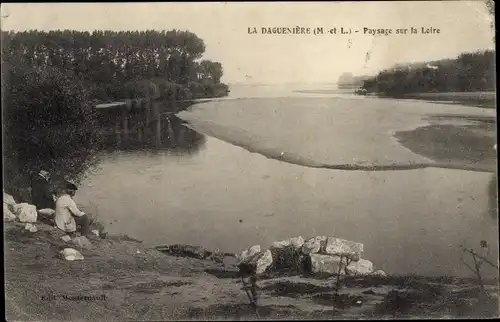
[[121, 279]]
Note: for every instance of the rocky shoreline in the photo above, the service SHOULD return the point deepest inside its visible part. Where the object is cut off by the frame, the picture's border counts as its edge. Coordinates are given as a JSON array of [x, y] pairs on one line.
[[119, 278]]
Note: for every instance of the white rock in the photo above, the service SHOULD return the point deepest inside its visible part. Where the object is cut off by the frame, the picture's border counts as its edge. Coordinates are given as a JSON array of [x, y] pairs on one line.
[[295, 242], [25, 212], [248, 253], [32, 228], [66, 238], [337, 246], [261, 261], [313, 245], [264, 261], [379, 273], [7, 214], [71, 254], [8, 199], [328, 264], [82, 241], [46, 212], [361, 267], [95, 232]]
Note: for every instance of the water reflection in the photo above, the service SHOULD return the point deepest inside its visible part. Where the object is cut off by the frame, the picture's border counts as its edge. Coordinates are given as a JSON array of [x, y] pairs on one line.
[[142, 130]]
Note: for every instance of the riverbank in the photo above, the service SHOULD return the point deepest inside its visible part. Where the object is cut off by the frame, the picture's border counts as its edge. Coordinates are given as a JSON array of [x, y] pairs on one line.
[[122, 279]]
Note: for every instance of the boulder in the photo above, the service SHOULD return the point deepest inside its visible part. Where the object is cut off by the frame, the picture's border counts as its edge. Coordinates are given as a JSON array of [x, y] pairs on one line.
[[295, 242], [350, 249], [82, 242], [9, 200], [361, 267], [7, 214], [313, 245], [95, 232], [241, 257], [71, 254], [379, 272], [326, 264], [257, 263], [25, 212]]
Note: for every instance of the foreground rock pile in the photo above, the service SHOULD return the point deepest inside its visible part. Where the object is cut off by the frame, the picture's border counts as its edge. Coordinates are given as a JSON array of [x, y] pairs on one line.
[[315, 255], [29, 214], [22, 212]]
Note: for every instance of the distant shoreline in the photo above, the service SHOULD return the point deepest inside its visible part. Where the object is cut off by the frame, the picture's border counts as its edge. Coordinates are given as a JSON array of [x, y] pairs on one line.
[[476, 99], [485, 99]]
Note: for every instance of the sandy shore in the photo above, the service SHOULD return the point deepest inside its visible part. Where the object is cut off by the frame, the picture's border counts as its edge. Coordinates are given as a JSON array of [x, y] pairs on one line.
[[470, 146], [122, 280], [311, 133]]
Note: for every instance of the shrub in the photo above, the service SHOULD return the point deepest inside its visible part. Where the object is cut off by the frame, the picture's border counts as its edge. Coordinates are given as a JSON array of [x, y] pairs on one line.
[[49, 122]]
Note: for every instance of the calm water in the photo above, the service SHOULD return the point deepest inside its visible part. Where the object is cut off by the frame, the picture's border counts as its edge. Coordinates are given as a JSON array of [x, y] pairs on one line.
[[185, 187]]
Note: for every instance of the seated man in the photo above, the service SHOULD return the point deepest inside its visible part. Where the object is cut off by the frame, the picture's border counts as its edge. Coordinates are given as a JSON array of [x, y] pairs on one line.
[[67, 215]]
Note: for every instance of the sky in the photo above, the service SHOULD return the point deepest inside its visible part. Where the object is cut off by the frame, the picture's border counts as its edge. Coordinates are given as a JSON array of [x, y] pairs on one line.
[[270, 59]]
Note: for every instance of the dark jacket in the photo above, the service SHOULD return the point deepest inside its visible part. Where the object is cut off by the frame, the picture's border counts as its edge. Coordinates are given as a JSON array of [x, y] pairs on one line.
[[41, 193]]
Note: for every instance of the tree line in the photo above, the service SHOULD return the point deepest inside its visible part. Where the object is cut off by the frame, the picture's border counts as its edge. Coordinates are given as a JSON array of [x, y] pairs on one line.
[[112, 63], [468, 72], [52, 80]]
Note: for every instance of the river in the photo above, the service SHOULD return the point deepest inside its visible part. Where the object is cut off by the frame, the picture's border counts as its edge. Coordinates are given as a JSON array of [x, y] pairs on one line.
[[198, 189]]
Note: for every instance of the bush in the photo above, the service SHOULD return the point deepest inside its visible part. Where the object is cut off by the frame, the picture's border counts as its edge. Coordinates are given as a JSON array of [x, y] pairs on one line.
[[49, 122]]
